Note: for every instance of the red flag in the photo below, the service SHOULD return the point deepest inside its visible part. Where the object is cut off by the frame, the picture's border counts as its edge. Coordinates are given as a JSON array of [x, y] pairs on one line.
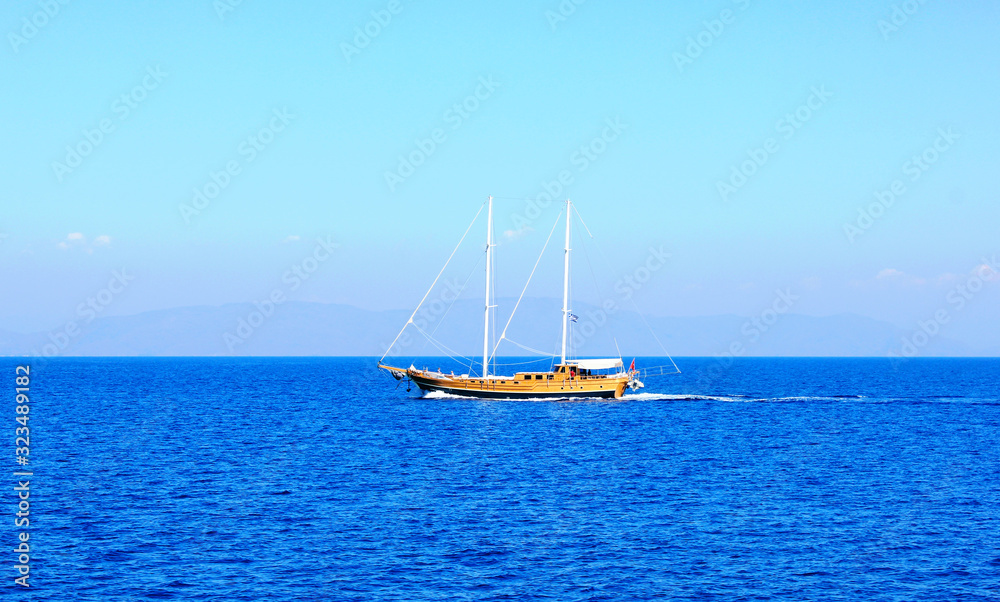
[[632, 367]]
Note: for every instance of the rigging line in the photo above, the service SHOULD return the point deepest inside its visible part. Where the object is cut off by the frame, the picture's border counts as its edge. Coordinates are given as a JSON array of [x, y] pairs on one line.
[[503, 335], [649, 371], [541, 359], [447, 352], [459, 294], [491, 302], [652, 332], [441, 346], [493, 334], [526, 348], [556, 348], [410, 321], [597, 287], [580, 217], [516, 198], [570, 324], [641, 317], [593, 274]]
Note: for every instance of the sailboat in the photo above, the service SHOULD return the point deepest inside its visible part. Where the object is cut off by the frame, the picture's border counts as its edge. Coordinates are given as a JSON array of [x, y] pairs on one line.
[[569, 378]]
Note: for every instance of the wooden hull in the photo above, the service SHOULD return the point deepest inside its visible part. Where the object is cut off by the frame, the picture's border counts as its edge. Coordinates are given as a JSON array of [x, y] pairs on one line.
[[520, 386], [497, 394]]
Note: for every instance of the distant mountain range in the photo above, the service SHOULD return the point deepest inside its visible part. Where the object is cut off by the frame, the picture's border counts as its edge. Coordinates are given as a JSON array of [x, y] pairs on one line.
[[306, 329]]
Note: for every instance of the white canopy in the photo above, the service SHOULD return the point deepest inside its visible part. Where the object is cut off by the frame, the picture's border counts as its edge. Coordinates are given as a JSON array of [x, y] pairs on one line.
[[596, 364]]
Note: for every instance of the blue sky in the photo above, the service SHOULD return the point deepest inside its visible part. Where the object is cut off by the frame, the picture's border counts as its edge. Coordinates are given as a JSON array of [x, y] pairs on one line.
[[872, 98]]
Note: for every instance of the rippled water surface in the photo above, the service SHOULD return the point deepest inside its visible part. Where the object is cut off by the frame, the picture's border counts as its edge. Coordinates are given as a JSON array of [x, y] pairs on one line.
[[318, 479]]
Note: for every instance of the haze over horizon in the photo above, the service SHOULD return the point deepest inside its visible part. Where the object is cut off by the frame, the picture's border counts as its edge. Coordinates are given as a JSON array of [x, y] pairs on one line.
[[200, 154]]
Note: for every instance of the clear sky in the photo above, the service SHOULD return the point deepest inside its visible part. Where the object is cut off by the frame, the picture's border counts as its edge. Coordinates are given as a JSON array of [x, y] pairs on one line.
[[832, 100]]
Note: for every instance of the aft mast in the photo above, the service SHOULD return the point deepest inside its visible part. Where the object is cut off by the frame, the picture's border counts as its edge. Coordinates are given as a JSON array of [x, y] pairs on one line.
[[486, 319], [565, 308]]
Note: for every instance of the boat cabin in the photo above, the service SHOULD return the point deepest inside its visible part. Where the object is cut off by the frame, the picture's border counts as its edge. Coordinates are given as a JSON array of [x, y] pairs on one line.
[[576, 369]]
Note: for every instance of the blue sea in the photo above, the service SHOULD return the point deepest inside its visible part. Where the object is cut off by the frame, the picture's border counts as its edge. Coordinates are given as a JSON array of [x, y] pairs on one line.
[[321, 479]]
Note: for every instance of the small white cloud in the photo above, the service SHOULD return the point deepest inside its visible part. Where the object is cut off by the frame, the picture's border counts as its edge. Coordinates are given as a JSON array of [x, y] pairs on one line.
[[888, 273], [73, 238], [983, 271], [519, 233], [291, 238], [77, 239]]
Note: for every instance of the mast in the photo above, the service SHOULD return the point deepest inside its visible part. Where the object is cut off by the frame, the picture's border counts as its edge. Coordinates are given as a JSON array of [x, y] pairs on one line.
[[486, 319], [565, 308]]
